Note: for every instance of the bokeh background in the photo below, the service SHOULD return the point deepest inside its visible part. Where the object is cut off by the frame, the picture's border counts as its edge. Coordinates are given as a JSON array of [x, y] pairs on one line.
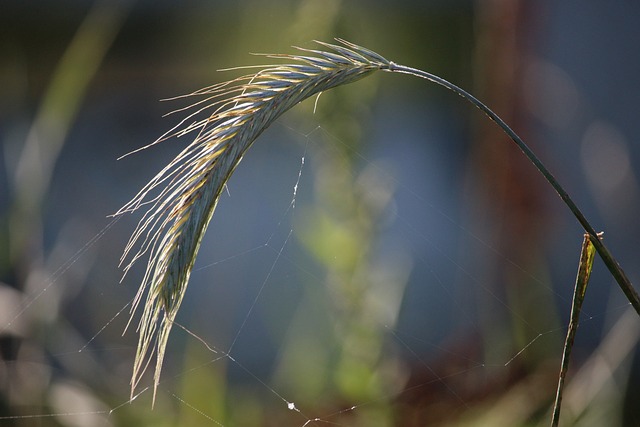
[[388, 259]]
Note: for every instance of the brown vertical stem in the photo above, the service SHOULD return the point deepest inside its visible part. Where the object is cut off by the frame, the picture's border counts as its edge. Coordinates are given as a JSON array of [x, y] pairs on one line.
[[582, 279]]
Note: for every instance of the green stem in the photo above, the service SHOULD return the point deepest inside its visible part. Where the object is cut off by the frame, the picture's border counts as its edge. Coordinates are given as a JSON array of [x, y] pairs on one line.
[[607, 258]]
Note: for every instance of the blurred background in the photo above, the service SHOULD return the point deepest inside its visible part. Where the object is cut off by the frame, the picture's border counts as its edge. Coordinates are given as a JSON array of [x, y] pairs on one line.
[[421, 271]]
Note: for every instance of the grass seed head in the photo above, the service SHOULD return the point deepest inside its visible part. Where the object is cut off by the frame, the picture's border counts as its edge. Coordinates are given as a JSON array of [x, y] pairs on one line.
[[181, 198]]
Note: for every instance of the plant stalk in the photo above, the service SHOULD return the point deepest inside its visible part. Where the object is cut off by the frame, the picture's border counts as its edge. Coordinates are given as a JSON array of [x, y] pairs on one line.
[[582, 280], [613, 266]]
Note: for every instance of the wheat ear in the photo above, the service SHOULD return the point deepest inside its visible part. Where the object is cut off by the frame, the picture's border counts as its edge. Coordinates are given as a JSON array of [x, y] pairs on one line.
[[181, 198]]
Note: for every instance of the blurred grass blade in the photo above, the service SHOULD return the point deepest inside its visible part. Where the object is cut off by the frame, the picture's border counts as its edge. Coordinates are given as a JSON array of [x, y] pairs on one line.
[[587, 255], [63, 98]]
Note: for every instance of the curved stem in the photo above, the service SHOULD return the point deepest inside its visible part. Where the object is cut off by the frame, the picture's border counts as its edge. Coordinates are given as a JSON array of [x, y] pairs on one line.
[[604, 253]]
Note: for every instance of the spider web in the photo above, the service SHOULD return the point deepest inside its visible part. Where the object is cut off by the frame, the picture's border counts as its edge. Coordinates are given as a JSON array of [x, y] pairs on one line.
[[261, 309]]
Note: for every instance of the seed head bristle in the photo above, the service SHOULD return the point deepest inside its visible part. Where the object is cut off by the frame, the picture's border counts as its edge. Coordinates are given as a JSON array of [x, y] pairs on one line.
[[181, 198]]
